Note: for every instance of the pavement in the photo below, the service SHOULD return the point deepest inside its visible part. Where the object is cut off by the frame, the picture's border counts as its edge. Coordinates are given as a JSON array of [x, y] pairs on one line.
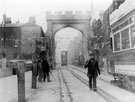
[[50, 90], [9, 89]]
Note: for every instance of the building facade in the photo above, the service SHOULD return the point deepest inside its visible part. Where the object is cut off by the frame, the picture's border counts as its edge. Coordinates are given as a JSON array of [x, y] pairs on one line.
[[18, 41]]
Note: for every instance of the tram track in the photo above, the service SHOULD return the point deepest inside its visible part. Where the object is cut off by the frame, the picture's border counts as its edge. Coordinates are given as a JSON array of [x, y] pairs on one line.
[[65, 94], [102, 93], [101, 79], [86, 74]]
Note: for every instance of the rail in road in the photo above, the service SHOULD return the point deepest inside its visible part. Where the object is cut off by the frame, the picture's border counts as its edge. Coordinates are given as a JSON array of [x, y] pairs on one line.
[[86, 74], [99, 78], [102, 93], [65, 94], [73, 84]]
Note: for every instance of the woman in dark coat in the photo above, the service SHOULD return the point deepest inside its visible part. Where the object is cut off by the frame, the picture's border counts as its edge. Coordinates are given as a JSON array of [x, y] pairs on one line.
[[93, 71]]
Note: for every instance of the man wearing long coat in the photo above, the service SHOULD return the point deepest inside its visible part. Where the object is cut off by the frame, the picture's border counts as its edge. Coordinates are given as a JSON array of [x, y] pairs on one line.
[[46, 70], [93, 71]]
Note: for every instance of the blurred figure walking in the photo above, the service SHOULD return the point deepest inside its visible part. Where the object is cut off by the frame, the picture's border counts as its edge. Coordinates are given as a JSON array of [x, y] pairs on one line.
[[93, 71]]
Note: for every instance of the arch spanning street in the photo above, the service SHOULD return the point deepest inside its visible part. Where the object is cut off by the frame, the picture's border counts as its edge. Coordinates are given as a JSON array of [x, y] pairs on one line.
[[78, 20]]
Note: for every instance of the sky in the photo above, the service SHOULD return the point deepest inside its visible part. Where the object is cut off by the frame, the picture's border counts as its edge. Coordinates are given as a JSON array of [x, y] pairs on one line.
[[23, 9]]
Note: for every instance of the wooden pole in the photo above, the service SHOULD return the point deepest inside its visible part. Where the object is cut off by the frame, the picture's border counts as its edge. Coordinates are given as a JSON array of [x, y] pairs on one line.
[[34, 75], [21, 81]]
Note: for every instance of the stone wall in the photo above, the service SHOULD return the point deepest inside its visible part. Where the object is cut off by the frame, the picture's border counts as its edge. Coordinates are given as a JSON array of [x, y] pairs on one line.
[[6, 72], [12, 71]]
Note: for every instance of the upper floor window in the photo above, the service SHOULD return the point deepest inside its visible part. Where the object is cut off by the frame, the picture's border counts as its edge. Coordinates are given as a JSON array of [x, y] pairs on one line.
[[133, 35], [115, 29], [117, 42], [124, 24], [125, 39]]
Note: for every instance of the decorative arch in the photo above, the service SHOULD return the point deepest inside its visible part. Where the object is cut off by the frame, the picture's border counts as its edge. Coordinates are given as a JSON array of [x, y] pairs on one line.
[[65, 26], [79, 21]]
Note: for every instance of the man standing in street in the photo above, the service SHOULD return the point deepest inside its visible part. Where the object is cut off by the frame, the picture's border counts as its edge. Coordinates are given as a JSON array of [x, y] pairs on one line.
[[93, 71], [45, 66], [46, 70]]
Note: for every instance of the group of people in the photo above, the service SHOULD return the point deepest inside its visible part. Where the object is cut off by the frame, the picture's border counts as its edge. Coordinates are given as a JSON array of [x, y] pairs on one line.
[[43, 68], [91, 64], [93, 70]]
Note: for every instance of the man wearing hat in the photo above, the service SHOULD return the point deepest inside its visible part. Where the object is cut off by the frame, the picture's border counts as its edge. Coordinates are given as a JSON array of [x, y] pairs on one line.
[[93, 70]]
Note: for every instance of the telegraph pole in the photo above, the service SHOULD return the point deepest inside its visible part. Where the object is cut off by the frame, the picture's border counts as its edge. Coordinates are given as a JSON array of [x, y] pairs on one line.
[[4, 44], [4, 18]]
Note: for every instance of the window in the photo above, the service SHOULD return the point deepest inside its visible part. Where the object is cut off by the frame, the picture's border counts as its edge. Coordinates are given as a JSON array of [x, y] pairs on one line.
[[133, 35], [115, 29], [117, 42], [125, 39], [111, 43], [124, 24]]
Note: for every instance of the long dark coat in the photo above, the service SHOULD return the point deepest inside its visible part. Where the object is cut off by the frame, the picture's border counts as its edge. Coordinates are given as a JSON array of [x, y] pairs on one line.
[[93, 68], [45, 66]]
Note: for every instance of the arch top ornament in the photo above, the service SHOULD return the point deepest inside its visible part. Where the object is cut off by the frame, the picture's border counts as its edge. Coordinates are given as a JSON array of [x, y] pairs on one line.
[[68, 15]]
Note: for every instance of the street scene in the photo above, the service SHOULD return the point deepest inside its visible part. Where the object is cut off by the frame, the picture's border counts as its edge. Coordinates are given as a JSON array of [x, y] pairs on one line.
[[67, 51]]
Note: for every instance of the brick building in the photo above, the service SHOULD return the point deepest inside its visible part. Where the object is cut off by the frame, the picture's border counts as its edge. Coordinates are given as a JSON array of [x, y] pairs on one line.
[[19, 40]]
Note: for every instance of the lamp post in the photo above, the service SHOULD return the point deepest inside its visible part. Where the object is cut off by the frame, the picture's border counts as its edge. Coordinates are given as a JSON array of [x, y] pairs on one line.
[[4, 47]]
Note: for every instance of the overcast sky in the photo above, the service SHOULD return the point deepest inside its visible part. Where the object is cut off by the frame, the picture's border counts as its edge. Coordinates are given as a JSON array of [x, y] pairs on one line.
[[22, 9]]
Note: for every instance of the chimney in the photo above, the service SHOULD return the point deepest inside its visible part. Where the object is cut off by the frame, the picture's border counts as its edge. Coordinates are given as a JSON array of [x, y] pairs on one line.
[[7, 20], [32, 20]]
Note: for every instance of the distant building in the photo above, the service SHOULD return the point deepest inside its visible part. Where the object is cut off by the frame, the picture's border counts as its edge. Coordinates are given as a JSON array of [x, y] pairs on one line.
[[75, 51]]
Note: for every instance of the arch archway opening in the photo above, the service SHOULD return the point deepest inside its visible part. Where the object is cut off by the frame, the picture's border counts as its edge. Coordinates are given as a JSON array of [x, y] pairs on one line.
[[69, 40]]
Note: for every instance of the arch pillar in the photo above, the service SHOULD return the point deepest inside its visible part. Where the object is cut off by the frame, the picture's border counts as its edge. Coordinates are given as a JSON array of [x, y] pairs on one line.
[[87, 33], [51, 57], [53, 52]]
